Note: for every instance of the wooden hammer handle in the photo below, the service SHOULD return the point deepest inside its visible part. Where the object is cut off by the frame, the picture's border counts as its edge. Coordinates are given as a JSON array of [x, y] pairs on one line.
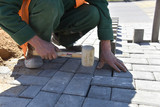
[[65, 54]]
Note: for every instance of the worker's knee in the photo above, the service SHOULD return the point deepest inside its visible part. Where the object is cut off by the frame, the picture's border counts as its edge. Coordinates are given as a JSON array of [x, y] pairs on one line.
[[93, 14]]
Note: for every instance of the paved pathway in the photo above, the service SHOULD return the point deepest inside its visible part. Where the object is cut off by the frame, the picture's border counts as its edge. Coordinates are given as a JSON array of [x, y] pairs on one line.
[[65, 83]]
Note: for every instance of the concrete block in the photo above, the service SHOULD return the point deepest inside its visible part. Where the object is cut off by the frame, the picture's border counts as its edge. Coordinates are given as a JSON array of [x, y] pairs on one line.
[[99, 92], [79, 85], [113, 82], [146, 68], [154, 61], [70, 101], [157, 75], [58, 82], [44, 99]]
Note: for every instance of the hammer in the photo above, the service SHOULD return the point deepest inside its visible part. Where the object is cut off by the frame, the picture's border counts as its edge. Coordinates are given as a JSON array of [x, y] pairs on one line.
[[87, 55]]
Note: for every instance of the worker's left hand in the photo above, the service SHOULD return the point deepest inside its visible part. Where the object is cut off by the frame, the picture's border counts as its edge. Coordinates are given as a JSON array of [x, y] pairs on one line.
[[108, 57]]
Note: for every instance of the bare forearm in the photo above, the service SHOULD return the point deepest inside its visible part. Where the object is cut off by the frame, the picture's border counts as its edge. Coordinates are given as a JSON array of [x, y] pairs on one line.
[[105, 45]]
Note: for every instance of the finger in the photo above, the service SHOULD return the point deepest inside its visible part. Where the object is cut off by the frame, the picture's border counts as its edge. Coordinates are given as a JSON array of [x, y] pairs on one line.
[[50, 57], [46, 57], [121, 62], [54, 55], [100, 65], [120, 66], [115, 68]]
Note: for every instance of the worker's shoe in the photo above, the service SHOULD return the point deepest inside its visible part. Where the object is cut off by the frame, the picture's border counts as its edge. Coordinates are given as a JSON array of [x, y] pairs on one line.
[[32, 61], [55, 39]]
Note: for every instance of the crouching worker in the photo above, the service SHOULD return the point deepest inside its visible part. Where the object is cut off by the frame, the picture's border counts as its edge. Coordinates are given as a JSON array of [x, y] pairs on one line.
[[31, 23]]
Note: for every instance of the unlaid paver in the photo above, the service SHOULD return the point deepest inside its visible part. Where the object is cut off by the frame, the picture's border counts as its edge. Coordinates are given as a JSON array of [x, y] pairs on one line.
[[136, 96], [99, 92], [11, 90], [58, 82], [144, 56], [13, 102], [71, 65], [87, 70], [44, 99], [157, 75], [48, 73], [154, 61], [147, 85], [145, 106], [4, 70], [90, 102], [103, 72], [136, 75], [32, 80], [70, 101], [147, 68], [79, 85], [31, 92], [134, 60], [113, 82]]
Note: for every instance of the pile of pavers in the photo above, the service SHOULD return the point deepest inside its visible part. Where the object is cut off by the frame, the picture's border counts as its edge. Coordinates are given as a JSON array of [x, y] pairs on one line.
[[64, 82]]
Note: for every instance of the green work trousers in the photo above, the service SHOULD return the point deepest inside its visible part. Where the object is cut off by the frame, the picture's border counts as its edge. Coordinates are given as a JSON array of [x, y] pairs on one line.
[[60, 17]]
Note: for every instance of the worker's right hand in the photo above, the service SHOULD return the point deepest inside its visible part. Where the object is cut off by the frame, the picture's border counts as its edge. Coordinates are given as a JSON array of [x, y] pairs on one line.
[[44, 49]]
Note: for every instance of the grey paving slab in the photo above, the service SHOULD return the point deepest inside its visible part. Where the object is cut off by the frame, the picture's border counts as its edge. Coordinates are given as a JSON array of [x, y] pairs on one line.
[[70, 101], [50, 65], [87, 70], [13, 102], [48, 73], [147, 85], [149, 68], [71, 65], [157, 76], [136, 96], [58, 82], [30, 92], [79, 85], [99, 92], [60, 60], [11, 90], [44, 99], [103, 72], [113, 82], [136, 75], [4, 70], [32, 80], [134, 60], [154, 61], [90, 102]]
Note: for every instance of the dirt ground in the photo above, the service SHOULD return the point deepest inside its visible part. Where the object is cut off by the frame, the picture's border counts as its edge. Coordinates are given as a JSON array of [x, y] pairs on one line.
[[8, 48]]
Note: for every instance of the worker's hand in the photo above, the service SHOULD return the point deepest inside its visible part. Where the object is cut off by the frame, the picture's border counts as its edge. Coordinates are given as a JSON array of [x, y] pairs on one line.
[[108, 57], [44, 49]]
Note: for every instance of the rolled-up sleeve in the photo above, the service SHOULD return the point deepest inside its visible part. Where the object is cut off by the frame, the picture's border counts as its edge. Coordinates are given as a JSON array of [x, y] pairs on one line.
[[12, 23], [105, 31]]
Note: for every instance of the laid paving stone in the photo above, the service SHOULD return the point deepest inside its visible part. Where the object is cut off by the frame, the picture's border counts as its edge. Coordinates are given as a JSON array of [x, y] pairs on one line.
[[113, 82], [136, 75], [134, 60], [70, 101], [4, 70], [60, 60], [54, 66], [31, 92], [48, 73], [90, 102], [13, 102], [44, 99], [79, 85], [147, 85], [58, 82], [100, 92], [32, 80], [71, 65], [11, 90], [147, 68], [26, 71], [87, 70], [136, 96], [157, 76], [103, 72], [154, 61]]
